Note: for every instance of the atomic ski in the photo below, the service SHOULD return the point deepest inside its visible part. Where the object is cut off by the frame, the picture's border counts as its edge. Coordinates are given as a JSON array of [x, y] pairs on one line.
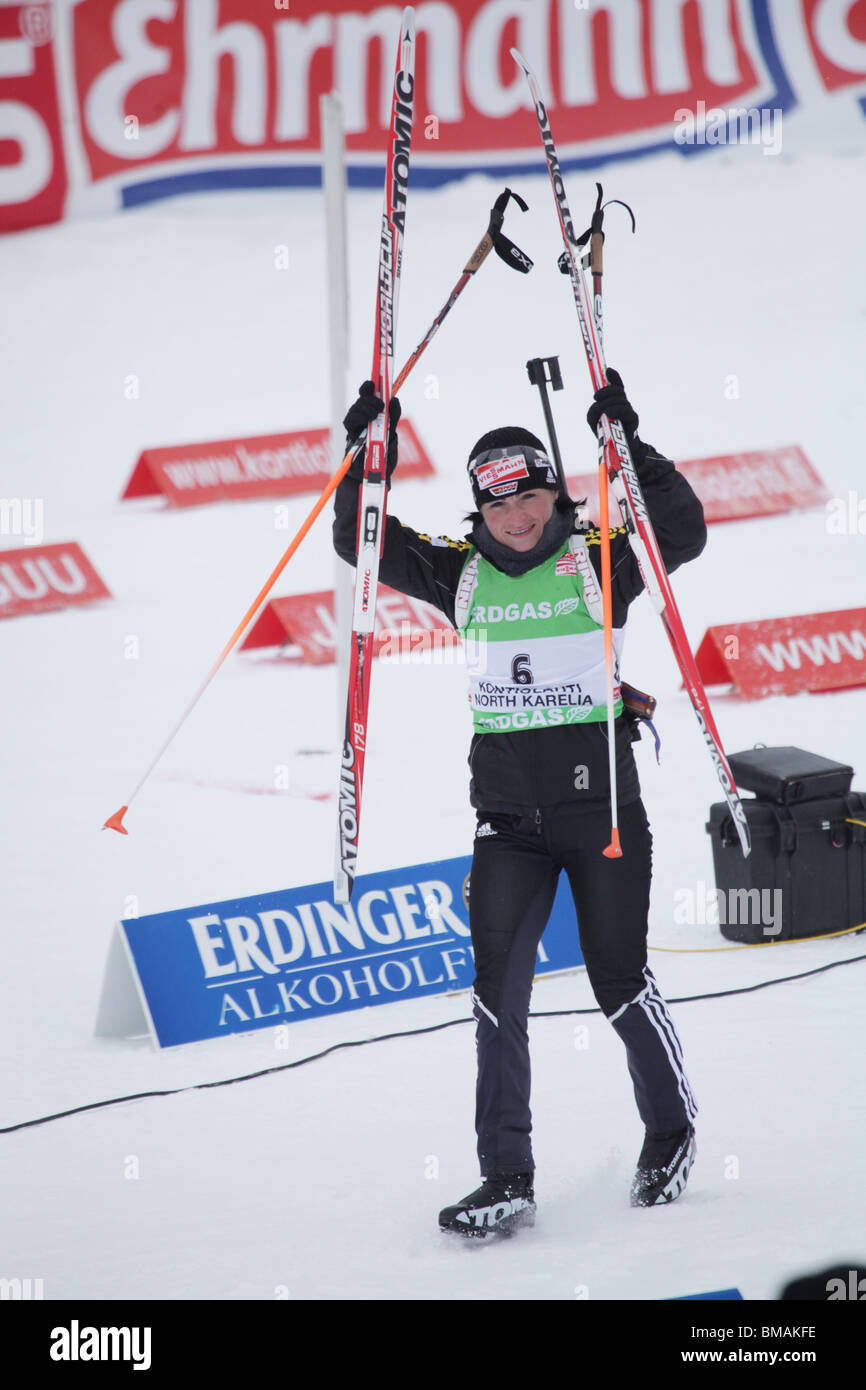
[[373, 494], [626, 487]]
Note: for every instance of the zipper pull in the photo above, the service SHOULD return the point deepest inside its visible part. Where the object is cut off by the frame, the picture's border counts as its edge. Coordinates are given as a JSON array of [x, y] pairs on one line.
[[537, 821]]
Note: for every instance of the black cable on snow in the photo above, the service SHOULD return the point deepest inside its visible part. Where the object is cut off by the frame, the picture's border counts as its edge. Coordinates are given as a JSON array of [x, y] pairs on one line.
[[388, 1037]]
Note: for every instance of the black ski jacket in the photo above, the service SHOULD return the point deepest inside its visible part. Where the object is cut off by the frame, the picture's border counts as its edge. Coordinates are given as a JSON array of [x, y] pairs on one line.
[[533, 772]]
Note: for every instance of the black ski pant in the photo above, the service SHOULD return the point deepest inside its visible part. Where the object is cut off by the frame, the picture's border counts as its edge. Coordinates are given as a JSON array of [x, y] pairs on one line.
[[515, 870]]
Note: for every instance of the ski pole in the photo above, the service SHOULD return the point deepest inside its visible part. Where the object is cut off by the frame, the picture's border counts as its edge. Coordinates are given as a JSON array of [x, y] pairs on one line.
[[537, 375], [493, 239], [596, 239], [613, 849]]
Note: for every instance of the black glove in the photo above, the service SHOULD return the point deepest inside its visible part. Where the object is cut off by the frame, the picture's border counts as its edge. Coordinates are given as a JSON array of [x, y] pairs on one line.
[[612, 401], [358, 417]]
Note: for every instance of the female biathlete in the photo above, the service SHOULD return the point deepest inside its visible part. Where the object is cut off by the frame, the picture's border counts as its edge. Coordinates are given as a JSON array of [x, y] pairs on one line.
[[523, 592]]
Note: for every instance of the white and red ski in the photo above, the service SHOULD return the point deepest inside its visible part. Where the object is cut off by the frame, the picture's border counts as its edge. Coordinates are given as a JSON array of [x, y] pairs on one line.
[[373, 495], [625, 484]]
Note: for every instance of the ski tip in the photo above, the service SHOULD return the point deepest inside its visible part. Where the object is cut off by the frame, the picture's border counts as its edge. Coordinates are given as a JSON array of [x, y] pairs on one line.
[[115, 822], [408, 23], [535, 90]]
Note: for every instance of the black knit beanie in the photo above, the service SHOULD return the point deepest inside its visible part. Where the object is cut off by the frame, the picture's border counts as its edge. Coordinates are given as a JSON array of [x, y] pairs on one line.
[[507, 461]]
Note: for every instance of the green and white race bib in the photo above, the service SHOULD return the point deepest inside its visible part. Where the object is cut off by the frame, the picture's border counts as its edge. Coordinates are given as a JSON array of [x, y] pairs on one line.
[[534, 650]]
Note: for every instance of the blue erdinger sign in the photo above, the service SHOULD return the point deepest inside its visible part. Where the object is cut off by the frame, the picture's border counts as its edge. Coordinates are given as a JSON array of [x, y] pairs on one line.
[[287, 956]]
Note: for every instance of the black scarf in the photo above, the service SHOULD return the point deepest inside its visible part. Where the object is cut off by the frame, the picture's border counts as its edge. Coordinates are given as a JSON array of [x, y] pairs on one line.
[[517, 562]]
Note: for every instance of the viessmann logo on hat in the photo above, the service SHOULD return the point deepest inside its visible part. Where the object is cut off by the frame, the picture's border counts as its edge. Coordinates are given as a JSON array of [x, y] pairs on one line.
[[503, 471]]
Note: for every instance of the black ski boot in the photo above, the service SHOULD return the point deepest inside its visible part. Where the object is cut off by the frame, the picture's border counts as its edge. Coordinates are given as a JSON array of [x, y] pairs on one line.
[[663, 1167], [501, 1204]]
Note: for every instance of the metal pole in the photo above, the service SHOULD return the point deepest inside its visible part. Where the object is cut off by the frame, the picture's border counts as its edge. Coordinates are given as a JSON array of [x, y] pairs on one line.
[[538, 368]]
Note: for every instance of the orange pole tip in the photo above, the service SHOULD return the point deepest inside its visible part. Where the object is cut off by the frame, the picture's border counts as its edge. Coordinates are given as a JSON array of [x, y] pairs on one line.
[[613, 850], [115, 822]]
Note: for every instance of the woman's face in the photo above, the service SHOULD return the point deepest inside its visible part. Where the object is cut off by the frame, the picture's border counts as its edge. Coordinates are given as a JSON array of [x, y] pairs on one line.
[[518, 521]]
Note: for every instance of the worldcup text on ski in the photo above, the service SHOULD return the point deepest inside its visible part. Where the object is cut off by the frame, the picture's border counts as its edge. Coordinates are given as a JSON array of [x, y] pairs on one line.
[[735, 125]]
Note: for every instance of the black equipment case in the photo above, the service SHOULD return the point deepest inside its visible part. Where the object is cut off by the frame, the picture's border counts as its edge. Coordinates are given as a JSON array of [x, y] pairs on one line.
[[789, 774], [806, 874]]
